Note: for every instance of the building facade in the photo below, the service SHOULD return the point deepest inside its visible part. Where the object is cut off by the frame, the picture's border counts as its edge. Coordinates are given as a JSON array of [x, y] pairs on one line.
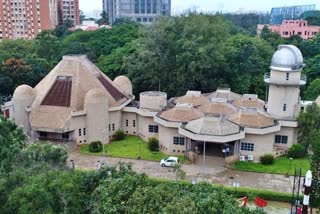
[[144, 11], [278, 14], [25, 19], [292, 27], [77, 102], [69, 10]]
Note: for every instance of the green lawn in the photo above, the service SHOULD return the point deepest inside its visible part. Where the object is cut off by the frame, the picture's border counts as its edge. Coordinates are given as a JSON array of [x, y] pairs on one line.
[[129, 148], [281, 165]]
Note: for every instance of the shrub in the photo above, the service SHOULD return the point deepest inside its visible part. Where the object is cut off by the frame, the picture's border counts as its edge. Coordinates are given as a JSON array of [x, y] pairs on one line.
[[267, 159], [119, 135], [95, 146], [296, 151], [153, 144]]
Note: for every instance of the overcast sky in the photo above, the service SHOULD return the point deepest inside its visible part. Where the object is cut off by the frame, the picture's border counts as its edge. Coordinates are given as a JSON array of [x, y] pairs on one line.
[[179, 6]]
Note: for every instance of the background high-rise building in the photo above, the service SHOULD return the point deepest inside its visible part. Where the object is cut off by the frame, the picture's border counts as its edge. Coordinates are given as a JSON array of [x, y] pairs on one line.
[[278, 14], [69, 9], [26, 18], [144, 11]]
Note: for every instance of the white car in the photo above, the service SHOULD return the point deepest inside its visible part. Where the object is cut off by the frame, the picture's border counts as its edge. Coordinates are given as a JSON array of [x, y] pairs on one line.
[[170, 161]]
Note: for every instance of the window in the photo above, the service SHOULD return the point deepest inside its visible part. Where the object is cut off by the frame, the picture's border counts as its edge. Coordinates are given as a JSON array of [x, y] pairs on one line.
[[285, 33], [127, 123], [153, 129], [109, 127], [287, 77], [281, 139], [284, 107], [65, 135], [112, 126], [79, 132], [84, 131], [247, 146], [299, 33], [134, 123], [43, 134], [178, 140]]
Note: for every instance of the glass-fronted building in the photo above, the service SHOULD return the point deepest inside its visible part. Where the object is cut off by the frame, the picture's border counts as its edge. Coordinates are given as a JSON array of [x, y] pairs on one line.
[[144, 11], [278, 14]]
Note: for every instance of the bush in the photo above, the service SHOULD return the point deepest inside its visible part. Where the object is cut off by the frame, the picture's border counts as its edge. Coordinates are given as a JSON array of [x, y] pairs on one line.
[[267, 159], [95, 146], [296, 151], [119, 135], [153, 144]]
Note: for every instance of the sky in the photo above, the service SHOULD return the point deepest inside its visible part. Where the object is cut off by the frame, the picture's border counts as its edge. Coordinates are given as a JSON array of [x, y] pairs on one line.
[[179, 6]]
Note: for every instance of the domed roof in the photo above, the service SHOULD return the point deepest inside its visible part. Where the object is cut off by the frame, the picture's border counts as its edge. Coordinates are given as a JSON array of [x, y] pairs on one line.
[[23, 92], [217, 108], [287, 58], [96, 95], [124, 83]]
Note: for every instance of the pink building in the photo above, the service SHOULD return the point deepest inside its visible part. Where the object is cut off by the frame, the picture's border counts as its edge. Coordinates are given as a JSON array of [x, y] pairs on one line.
[[292, 27]]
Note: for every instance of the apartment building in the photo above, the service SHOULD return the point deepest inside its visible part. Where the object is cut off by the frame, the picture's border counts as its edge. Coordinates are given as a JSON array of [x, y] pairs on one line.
[[292, 27], [144, 11], [69, 9], [24, 19]]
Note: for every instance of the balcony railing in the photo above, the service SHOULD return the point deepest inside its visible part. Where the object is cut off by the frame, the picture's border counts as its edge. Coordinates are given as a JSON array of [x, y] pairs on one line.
[[291, 81]]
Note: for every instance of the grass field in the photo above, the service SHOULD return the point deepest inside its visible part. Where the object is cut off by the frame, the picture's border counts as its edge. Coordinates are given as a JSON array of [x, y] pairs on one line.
[[131, 147], [281, 165]]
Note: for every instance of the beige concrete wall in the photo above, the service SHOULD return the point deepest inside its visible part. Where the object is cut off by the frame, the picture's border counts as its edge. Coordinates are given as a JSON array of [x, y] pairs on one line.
[[263, 144], [166, 141], [130, 129], [76, 123], [114, 121], [281, 75], [143, 127], [278, 96], [292, 134]]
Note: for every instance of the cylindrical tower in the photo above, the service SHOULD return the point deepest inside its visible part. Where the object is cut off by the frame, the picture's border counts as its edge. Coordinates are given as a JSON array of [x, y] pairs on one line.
[[153, 100], [23, 97], [97, 119], [284, 81]]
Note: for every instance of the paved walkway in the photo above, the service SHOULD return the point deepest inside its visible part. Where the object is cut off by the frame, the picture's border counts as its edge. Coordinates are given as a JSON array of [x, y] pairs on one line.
[[212, 173]]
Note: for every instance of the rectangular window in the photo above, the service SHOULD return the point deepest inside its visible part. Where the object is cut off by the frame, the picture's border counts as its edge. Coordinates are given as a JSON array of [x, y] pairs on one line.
[[178, 140], [134, 123], [281, 139], [247, 146], [284, 107], [109, 128], [84, 131], [127, 123], [65, 135], [43, 134], [112, 126], [287, 77], [79, 132], [153, 129]]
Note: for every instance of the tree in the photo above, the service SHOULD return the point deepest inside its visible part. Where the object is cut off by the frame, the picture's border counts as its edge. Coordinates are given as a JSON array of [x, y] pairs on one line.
[[12, 140], [274, 39], [315, 168], [181, 53], [104, 20], [309, 125], [313, 90]]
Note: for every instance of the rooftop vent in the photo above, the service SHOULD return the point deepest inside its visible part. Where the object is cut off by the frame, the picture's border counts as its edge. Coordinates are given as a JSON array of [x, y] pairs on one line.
[[194, 93], [251, 96], [223, 90], [184, 105], [218, 100]]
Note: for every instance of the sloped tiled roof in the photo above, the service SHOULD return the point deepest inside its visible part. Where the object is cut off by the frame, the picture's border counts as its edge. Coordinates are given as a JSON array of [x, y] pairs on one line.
[[252, 118], [192, 99], [249, 102], [181, 114], [217, 108]]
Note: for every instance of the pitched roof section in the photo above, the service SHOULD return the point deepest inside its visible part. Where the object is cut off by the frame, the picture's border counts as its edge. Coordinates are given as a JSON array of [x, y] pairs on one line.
[[113, 91], [249, 102], [252, 118], [192, 99], [212, 125], [217, 108], [181, 113], [60, 93]]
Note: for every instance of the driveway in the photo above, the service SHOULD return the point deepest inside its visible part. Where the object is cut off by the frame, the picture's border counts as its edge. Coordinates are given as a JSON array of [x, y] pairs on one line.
[[212, 173]]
